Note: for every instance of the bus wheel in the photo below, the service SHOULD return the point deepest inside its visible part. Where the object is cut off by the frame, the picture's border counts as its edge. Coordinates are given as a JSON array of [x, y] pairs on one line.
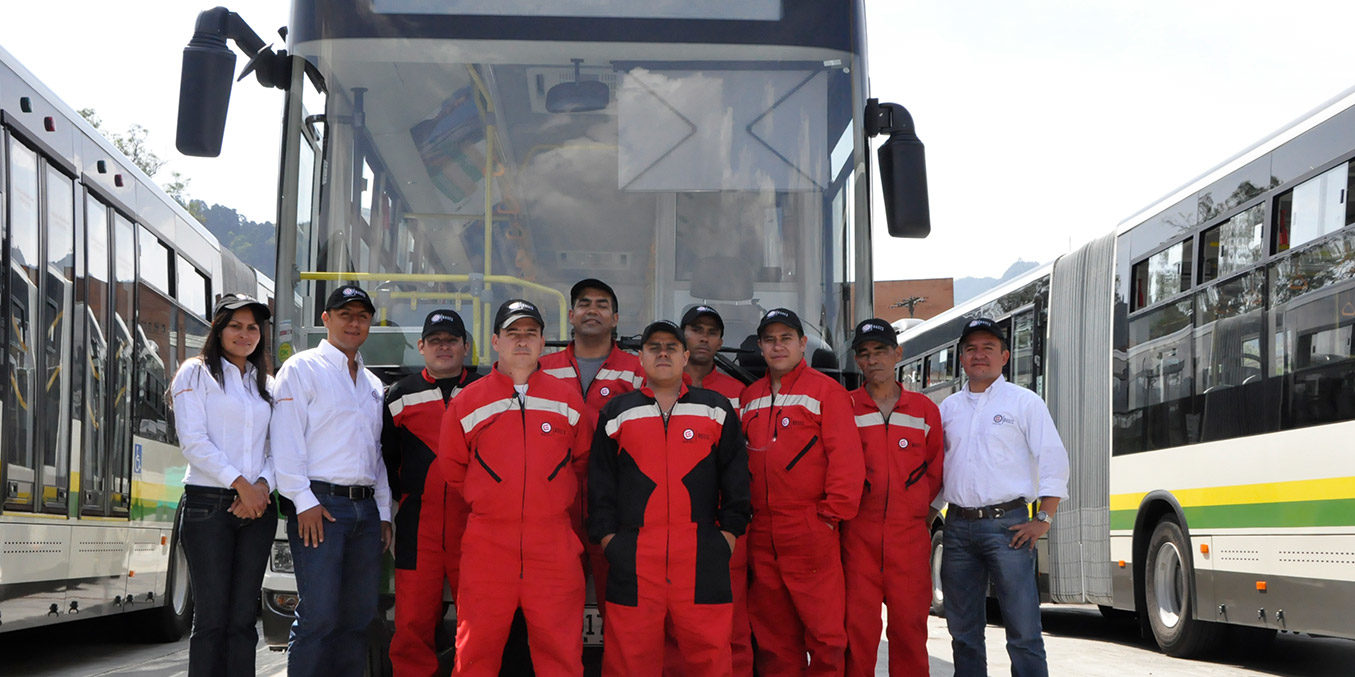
[[938, 598], [1169, 588], [170, 622]]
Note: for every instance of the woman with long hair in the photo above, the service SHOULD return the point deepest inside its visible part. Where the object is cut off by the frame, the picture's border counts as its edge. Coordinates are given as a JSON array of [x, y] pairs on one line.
[[221, 411]]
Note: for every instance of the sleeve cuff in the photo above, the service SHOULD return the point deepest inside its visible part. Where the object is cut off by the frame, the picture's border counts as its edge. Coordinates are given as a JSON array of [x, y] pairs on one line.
[[305, 501]]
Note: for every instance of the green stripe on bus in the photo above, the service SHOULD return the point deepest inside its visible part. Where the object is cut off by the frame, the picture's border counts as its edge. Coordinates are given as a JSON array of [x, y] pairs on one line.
[[1287, 514]]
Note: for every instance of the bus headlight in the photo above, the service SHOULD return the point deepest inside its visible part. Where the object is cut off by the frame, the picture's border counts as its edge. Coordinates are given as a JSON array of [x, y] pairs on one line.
[[281, 561]]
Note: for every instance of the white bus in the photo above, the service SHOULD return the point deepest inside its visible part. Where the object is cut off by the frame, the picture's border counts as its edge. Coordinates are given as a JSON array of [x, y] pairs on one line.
[[463, 153], [108, 289], [1200, 365]]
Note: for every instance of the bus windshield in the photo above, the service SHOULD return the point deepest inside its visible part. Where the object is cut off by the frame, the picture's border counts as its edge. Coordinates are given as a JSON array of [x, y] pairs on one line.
[[462, 173]]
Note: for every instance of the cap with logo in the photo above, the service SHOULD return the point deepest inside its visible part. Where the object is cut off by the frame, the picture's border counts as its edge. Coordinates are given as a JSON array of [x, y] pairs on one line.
[[591, 283], [874, 329], [349, 293], [781, 316], [443, 320], [516, 309], [983, 324], [238, 301], [663, 326], [699, 311]]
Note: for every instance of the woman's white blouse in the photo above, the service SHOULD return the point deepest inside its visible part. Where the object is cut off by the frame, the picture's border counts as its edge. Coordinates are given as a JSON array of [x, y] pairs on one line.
[[223, 430]]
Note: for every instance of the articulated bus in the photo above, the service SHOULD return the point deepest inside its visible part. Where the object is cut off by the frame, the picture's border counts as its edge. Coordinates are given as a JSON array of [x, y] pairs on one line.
[[108, 289], [463, 153], [1200, 365]]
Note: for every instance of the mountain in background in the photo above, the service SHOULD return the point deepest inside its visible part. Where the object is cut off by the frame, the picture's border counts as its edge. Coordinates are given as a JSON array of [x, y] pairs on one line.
[[968, 287], [254, 242]]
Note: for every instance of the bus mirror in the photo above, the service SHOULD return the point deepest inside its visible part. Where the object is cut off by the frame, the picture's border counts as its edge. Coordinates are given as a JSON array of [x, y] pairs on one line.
[[204, 95], [903, 170], [579, 96]]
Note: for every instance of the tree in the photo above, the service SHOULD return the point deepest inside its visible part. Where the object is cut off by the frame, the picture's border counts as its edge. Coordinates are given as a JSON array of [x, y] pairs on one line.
[[132, 144]]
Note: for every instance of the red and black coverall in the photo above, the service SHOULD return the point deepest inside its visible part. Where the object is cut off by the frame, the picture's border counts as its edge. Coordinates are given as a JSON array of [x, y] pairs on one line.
[[886, 548], [518, 462], [742, 635], [807, 473], [619, 373], [430, 519], [666, 488]]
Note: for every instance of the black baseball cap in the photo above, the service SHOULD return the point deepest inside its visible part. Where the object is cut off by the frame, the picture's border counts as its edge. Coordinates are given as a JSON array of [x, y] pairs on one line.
[[698, 311], [666, 327], [781, 316], [238, 301], [983, 324], [443, 320], [348, 293], [515, 309], [591, 283], [875, 329]]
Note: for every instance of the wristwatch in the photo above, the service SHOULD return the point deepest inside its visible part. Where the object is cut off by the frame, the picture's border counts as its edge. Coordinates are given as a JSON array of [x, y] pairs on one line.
[[1044, 517]]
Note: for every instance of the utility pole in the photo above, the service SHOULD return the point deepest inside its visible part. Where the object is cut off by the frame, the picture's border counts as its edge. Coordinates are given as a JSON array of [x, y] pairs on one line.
[[910, 302]]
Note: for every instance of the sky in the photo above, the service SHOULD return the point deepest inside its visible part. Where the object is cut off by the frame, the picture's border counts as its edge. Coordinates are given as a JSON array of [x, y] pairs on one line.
[[1046, 123]]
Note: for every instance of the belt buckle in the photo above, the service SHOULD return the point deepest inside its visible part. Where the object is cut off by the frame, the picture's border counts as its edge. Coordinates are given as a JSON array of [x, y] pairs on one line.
[[354, 493], [997, 513]]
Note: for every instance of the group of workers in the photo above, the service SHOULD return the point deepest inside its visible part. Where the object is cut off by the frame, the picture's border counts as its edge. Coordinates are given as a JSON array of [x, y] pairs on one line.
[[729, 529]]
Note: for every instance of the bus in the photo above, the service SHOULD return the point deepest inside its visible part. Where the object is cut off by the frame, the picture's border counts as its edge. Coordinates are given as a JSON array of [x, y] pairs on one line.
[[460, 154], [108, 289], [1199, 362]]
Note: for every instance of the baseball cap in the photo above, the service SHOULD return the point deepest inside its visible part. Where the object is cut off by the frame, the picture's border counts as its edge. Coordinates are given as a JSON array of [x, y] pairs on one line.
[[238, 301], [781, 316], [591, 283], [701, 310], [874, 329], [663, 326], [443, 320], [983, 324], [348, 293], [515, 309]]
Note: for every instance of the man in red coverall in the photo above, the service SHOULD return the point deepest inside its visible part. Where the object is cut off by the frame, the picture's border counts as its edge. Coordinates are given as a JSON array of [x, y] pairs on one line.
[[807, 473], [886, 548], [704, 331], [597, 367], [668, 496], [431, 517], [514, 444]]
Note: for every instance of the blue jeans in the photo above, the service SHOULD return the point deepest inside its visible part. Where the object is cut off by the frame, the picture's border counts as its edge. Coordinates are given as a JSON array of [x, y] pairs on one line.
[[226, 560], [976, 551], [337, 583]]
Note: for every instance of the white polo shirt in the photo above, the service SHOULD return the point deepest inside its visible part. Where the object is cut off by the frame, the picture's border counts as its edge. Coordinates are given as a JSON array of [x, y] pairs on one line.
[[1001, 444], [327, 426], [222, 426]]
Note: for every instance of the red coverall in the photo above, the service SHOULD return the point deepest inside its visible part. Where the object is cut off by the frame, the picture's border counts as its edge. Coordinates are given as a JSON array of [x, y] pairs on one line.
[[666, 489], [742, 634], [807, 473], [431, 517], [518, 463], [886, 548], [619, 373]]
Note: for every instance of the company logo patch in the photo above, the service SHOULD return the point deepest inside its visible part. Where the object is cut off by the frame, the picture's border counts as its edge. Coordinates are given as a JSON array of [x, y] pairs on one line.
[[545, 427], [872, 327], [785, 422], [1000, 419], [352, 291], [688, 434], [605, 391], [903, 444], [978, 323], [519, 305], [440, 318]]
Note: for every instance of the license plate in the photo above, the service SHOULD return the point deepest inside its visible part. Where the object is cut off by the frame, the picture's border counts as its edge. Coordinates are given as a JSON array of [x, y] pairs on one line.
[[592, 626]]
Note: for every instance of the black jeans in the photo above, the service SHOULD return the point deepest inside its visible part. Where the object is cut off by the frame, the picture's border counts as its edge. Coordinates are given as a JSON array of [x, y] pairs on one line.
[[227, 556]]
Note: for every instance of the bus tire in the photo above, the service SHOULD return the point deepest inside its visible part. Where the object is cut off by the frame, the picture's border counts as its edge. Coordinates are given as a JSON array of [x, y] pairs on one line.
[[1169, 591], [170, 622], [938, 598]]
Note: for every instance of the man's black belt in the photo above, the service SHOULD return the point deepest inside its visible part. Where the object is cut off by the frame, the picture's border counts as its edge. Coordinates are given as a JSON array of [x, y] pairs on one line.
[[208, 492], [988, 511], [356, 493]]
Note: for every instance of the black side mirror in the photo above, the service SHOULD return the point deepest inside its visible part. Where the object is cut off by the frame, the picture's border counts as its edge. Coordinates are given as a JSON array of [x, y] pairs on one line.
[[903, 169], [204, 95], [205, 82], [580, 96]]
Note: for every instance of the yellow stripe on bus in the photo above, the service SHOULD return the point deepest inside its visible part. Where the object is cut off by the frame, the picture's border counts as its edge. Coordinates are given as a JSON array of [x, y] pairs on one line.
[[1241, 494]]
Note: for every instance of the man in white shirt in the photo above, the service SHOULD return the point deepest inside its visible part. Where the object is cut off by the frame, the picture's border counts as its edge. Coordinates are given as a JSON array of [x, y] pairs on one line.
[[325, 436], [1002, 452]]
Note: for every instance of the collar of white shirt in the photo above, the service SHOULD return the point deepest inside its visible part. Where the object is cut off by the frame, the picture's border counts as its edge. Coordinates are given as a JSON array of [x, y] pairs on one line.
[[336, 356]]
